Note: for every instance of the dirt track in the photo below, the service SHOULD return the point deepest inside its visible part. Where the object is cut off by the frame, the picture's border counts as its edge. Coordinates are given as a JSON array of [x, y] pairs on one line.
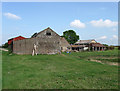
[[109, 63], [3, 49]]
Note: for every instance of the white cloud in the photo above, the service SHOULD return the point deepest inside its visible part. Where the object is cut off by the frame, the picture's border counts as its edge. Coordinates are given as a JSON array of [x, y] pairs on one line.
[[115, 37], [12, 16], [77, 24], [102, 37], [103, 23]]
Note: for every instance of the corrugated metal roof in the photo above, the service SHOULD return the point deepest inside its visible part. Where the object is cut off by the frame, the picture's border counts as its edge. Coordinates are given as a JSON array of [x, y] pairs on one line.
[[97, 45], [84, 41], [77, 45]]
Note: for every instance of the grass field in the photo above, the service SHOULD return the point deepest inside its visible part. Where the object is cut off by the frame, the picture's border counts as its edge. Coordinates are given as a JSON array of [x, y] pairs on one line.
[[0, 70], [64, 71]]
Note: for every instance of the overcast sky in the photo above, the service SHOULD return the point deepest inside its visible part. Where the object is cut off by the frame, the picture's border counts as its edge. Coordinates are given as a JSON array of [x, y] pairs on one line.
[[89, 20]]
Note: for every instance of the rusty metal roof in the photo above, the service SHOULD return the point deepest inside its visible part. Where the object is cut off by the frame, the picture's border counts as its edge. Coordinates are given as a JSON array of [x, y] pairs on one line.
[[97, 45], [77, 45], [84, 41]]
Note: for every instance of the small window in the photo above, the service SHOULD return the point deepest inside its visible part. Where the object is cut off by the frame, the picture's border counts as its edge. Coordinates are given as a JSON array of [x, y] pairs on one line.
[[48, 33]]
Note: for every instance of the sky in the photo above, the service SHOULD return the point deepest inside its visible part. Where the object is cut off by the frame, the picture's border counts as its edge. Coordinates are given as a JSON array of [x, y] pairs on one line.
[[90, 20]]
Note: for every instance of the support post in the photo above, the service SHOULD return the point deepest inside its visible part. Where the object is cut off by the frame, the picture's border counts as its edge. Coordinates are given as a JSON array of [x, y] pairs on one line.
[[99, 48], [95, 48], [88, 47], [102, 48], [92, 48]]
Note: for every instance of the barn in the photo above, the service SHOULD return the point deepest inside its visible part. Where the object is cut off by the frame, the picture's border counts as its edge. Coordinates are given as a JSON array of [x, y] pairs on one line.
[[44, 42], [10, 41], [14, 39]]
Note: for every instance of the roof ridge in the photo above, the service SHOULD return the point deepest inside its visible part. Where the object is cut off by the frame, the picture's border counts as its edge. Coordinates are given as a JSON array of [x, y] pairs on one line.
[[45, 30]]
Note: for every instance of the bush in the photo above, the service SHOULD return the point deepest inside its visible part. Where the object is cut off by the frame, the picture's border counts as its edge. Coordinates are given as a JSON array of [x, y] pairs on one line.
[[9, 50], [5, 45]]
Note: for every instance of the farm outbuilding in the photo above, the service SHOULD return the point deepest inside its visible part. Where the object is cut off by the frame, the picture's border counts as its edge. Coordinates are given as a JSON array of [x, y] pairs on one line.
[[78, 47], [44, 42], [16, 38], [10, 41], [90, 45], [97, 47]]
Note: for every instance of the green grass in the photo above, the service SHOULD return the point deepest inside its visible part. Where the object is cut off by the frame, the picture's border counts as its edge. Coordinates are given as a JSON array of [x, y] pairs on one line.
[[64, 71], [0, 69], [104, 56]]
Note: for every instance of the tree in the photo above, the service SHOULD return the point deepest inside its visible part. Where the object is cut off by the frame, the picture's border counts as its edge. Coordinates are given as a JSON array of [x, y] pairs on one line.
[[5, 45], [71, 36], [105, 45]]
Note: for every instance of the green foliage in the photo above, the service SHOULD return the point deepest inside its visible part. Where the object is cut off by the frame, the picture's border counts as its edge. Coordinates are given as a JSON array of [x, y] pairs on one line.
[[111, 47], [71, 36], [64, 71], [9, 50], [105, 45], [5, 45]]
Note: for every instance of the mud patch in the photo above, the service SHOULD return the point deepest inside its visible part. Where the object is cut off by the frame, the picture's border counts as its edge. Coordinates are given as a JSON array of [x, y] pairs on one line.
[[63, 55], [109, 63]]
